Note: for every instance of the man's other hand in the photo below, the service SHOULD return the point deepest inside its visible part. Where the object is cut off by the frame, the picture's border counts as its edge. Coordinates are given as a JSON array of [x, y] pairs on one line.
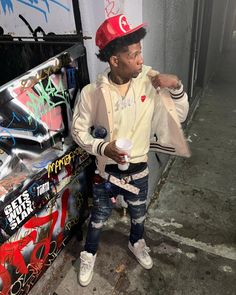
[[166, 80]]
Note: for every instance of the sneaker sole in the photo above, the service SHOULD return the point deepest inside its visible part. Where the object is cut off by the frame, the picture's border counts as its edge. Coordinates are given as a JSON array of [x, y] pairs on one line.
[[86, 283], [140, 262]]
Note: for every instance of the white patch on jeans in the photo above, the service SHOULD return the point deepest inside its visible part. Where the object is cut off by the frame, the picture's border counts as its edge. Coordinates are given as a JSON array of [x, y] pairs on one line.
[[139, 220], [136, 203], [97, 224]]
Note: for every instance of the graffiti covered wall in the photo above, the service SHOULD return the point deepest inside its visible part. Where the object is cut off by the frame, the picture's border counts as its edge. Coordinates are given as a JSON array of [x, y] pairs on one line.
[[43, 182], [26, 17]]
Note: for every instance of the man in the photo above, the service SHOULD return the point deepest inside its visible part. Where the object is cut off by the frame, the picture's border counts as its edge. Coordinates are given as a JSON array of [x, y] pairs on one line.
[[130, 101]]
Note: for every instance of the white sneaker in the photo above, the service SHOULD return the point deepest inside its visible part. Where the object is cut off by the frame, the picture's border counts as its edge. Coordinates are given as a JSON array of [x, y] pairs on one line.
[[140, 251], [87, 261]]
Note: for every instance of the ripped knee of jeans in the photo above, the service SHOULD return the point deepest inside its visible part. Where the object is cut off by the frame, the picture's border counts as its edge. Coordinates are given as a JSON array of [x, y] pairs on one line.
[[97, 225], [136, 203], [139, 220]]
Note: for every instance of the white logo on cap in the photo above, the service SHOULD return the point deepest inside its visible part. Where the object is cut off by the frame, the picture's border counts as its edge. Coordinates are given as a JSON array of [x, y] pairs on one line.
[[123, 23]]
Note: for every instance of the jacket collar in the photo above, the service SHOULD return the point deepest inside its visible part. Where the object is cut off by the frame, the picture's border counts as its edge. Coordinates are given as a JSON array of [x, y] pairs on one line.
[[103, 77]]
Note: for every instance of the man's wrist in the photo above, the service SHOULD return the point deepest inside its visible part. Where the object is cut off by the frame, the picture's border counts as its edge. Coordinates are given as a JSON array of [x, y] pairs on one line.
[[177, 93], [177, 86]]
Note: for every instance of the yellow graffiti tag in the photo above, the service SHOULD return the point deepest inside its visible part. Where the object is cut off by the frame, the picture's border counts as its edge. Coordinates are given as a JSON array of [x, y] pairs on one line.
[[60, 163]]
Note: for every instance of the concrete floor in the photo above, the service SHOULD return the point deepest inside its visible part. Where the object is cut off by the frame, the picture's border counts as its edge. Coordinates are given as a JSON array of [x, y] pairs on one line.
[[191, 225]]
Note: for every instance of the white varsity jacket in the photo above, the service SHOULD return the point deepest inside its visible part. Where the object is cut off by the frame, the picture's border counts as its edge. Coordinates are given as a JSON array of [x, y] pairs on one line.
[[159, 114]]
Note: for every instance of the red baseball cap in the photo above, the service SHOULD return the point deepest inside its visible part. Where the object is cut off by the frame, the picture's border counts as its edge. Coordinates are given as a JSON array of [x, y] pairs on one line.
[[112, 28]]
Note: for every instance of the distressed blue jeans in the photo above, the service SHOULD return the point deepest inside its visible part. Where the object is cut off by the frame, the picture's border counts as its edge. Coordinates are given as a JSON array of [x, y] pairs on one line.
[[102, 208]]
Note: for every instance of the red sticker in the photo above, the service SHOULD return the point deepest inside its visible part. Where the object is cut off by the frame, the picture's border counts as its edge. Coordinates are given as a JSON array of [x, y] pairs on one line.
[[143, 97]]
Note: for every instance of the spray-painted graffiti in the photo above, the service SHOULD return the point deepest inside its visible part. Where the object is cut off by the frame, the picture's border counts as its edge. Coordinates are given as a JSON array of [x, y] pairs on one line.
[[34, 108], [42, 163], [22, 203], [46, 72], [36, 245], [42, 171], [18, 119], [113, 7], [44, 7], [65, 160], [6, 5], [35, 113], [45, 101], [18, 210]]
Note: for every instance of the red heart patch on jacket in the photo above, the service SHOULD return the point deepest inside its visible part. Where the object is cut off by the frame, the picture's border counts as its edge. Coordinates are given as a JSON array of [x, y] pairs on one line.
[[143, 97]]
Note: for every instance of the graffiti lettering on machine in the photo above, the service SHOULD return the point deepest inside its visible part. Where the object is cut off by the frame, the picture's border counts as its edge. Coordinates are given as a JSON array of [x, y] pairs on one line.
[[35, 245], [78, 155], [40, 192], [43, 188], [18, 210]]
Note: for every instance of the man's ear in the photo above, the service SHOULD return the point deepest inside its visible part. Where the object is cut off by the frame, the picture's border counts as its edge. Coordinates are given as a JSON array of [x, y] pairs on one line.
[[114, 60]]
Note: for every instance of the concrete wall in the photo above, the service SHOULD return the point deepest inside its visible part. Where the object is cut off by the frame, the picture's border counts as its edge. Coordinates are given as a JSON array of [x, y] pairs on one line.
[[167, 44], [230, 25], [215, 35]]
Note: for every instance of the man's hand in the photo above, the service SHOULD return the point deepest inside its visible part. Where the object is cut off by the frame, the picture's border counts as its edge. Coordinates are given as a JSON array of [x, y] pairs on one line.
[[166, 80], [112, 152]]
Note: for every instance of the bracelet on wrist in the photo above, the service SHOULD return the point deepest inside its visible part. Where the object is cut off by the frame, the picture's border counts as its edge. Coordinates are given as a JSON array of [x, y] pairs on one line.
[[178, 86]]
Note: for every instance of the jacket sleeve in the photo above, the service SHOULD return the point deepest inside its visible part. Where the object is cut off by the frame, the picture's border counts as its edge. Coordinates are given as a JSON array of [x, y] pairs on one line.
[[83, 121], [180, 99]]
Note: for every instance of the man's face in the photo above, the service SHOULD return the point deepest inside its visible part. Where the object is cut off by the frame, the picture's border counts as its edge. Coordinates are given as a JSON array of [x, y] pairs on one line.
[[130, 62]]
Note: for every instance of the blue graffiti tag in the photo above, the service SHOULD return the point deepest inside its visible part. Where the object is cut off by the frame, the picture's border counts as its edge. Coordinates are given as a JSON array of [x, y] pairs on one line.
[[6, 4], [8, 135], [44, 162], [35, 4], [17, 118]]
